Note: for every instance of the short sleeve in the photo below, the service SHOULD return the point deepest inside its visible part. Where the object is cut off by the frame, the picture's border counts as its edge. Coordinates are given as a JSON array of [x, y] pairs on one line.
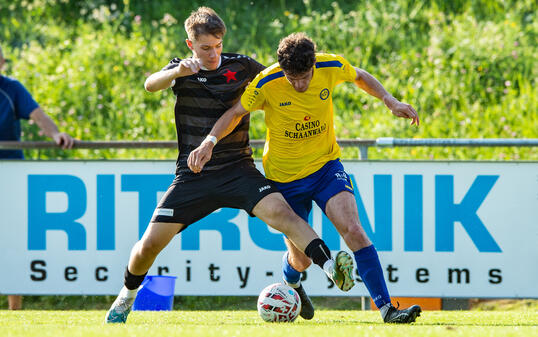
[[24, 102], [253, 97], [171, 65], [347, 72]]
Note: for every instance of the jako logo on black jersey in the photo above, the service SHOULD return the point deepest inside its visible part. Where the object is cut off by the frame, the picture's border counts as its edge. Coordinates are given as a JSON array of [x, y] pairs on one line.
[[285, 103], [202, 79]]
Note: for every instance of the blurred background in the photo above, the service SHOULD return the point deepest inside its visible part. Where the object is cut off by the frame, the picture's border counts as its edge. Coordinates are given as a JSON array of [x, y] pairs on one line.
[[467, 66]]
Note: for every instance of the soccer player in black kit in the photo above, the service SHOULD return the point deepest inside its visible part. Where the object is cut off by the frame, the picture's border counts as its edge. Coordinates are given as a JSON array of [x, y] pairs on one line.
[[206, 85]]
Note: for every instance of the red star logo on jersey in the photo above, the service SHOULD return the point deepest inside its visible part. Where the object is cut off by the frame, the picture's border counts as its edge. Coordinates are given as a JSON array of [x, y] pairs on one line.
[[230, 75]]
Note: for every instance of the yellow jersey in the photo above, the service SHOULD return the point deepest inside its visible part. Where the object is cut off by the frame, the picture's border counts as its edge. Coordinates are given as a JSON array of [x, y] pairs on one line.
[[300, 130]]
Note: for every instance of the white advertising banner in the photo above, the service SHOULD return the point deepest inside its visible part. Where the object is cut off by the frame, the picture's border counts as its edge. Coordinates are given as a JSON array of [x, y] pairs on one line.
[[442, 229]]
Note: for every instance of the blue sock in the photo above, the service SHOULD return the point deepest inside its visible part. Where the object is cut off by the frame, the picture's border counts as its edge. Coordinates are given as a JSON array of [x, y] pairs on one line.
[[290, 275], [371, 274]]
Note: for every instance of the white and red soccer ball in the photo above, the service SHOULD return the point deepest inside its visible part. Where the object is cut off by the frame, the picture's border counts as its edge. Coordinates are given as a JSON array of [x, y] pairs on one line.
[[279, 303]]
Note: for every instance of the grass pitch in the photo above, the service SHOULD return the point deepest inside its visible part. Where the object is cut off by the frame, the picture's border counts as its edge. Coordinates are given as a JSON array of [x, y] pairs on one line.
[[29, 323]]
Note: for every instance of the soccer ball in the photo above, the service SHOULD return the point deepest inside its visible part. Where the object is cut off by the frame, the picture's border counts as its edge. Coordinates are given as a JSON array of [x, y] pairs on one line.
[[279, 303]]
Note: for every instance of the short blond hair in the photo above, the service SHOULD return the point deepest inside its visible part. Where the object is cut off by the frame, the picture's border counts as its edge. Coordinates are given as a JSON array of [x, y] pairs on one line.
[[204, 21]]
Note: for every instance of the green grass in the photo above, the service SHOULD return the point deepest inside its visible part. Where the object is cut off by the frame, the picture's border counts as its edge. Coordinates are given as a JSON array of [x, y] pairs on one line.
[[201, 303], [180, 302], [247, 323]]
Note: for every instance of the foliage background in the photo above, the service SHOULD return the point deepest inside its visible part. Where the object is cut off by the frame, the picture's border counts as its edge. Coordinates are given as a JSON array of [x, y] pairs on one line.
[[467, 66]]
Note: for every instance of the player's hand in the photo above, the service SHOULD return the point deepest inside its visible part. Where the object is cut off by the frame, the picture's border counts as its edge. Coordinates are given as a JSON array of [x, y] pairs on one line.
[[190, 66], [200, 156], [64, 140], [402, 110]]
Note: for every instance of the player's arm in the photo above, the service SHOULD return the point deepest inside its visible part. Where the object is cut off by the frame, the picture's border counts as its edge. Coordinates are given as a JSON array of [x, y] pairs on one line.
[[372, 86], [163, 79], [225, 124], [50, 129], [228, 121]]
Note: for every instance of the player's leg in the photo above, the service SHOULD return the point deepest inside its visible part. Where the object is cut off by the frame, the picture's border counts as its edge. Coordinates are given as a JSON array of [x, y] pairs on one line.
[[294, 262], [334, 195], [275, 211], [155, 238], [183, 203], [299, 194], [341, 209], [248, 189]]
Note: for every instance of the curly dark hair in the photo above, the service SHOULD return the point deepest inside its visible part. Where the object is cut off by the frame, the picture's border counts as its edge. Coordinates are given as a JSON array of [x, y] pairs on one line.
[[296, 54], [204, 21]]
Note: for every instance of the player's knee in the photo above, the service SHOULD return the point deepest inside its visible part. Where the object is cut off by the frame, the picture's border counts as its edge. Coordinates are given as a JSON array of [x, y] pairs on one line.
[[354, 232], [281, 214], [148, 248]]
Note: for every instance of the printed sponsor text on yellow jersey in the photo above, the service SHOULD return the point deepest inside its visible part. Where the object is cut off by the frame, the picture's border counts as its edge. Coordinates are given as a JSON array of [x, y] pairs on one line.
[[300, 131]]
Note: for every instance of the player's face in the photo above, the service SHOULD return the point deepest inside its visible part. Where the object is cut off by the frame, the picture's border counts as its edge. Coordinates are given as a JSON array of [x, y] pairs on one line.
[[300, 82], [208, 49]]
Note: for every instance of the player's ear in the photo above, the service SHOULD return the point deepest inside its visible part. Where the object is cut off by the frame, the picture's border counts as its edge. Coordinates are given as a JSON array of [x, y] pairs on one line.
[[189, 44]]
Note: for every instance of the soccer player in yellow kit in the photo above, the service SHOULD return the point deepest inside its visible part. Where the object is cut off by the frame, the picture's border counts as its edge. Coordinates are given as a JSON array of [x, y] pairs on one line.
[[206, 85], [301, 155]]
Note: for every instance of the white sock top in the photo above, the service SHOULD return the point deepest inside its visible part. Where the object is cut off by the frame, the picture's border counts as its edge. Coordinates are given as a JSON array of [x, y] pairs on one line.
[[328, 268], [124, 292], [294, 285], [384, 309]]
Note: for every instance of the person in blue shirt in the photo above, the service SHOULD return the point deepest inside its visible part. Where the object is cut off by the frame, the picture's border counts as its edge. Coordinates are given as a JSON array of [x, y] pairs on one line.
[[17, 103]]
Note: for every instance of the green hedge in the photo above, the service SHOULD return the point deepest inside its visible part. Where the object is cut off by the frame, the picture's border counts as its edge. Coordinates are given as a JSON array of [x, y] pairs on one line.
[[468, 67]]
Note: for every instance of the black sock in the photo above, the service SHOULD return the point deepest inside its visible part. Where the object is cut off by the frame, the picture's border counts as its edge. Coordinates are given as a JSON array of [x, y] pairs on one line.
[[318, 251], [131, 281]]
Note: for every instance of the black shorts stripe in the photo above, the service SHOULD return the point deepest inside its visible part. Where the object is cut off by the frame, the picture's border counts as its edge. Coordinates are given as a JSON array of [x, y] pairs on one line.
[[192, 91], [187, 102], [197, 121], [212, 112]]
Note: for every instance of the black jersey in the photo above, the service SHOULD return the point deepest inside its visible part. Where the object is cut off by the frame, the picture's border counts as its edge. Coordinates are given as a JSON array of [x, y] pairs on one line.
[[200, 101]]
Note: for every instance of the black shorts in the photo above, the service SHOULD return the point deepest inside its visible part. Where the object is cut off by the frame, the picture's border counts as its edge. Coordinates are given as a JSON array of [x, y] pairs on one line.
[[238, 186]]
